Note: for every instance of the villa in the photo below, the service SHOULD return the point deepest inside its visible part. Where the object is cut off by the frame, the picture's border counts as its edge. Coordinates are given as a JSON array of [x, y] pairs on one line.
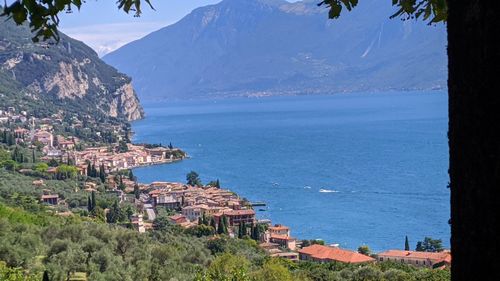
[[421, 259], [323, 254]]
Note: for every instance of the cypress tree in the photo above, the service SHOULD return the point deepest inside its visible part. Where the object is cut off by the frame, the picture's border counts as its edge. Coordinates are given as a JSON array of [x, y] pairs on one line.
[[224, 224], [89, 204], [137, 192], [407, 244], [213, 223], [33, 156], [102, 173], [89, 170], [45, 276], [93, 203], [200, 221]]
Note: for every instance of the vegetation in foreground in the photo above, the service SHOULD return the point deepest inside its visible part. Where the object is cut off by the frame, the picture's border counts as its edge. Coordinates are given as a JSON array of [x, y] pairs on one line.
[[37, 242]]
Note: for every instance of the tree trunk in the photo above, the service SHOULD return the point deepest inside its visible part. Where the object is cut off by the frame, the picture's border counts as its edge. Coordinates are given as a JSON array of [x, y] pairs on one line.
[[474, 137]]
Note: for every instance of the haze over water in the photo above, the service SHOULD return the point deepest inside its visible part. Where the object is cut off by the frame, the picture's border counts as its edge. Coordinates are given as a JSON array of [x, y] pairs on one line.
[[351, 169]]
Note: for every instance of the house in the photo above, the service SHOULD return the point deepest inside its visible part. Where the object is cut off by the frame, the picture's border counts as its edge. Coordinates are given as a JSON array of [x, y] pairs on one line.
[[192, 212], [235, 217], [178, 219], [166, 200], [320, 253], [421, 259], [280, 235], [51, 199], [44, 137], [284, 241], [293, 256], [138, 223]]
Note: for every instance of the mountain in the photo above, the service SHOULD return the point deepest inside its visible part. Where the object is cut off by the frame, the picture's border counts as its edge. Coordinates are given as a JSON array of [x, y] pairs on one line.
[[47, 77], [271, 47]]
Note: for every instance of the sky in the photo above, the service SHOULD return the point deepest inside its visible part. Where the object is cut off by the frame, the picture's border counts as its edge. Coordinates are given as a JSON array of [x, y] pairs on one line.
[[105, 28]]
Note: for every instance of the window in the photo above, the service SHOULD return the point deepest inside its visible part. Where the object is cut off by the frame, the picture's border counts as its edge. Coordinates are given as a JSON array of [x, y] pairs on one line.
[[416, 262], [402, 260], [381, 259]]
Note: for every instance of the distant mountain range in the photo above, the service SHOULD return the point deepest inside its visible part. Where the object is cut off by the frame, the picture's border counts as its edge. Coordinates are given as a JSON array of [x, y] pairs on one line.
[[273, 47], [45, 78]]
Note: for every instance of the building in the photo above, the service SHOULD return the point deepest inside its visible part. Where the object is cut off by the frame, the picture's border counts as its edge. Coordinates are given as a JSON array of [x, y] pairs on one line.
[[293, 256], [51, 199], [138, 223], [235, 217], [280, 234], [192, 213], [421, 259], [166, 200], [320, 253], [178, 219], [44, 137]]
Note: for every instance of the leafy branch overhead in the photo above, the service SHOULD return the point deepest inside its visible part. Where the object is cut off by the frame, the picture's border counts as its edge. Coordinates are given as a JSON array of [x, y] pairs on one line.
[[42, 15], [433, 11]]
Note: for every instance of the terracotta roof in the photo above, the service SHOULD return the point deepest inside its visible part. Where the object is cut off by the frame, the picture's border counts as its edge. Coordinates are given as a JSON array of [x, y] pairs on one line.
[[335, 254], [278, 227], [435, 257], [239, 212], [50, 196], [281, 237], [177, 217]]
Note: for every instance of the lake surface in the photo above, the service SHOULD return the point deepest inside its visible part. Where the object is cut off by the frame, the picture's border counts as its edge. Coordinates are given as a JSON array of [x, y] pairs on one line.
[[351, 169]]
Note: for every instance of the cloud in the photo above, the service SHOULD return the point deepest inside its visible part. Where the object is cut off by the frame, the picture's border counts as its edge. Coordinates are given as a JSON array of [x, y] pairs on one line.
[[105, 38]]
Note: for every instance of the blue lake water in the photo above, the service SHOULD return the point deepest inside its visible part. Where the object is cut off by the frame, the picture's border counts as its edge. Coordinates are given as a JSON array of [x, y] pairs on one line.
[[351, 169]]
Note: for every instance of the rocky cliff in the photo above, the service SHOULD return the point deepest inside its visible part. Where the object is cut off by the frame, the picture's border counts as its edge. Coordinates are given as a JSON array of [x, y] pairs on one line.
[[67, 75]]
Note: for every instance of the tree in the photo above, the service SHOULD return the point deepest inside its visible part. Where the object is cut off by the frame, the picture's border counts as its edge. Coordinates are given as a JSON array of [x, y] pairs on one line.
[[121, 185], [137, 191], [115, 213], [45, 276], [407, 244], [192, 178], [473, 133], [89, 169], [41, 167], [93, 200], [102, 173], [213, 223], [89, 204], [365, 250], [429, 245]]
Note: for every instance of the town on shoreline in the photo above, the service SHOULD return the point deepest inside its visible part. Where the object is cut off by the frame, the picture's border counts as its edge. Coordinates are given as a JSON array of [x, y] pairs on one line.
[[41, 151]]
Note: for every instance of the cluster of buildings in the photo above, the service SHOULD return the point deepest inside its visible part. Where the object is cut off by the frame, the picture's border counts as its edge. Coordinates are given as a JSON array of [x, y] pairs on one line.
[[9, 115], [135, 156], [192, 203]]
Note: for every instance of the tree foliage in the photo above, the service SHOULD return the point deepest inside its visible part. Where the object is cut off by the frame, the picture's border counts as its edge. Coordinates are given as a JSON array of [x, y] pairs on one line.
[[432, 11]]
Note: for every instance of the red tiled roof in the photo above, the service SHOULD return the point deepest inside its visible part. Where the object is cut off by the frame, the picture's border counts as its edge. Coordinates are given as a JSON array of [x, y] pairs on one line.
[[278, 228], [281, 237], [240, 212], [435, 257], [335, 254]]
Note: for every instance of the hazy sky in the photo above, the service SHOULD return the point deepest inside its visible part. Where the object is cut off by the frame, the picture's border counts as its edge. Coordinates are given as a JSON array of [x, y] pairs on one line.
[[103, 27]]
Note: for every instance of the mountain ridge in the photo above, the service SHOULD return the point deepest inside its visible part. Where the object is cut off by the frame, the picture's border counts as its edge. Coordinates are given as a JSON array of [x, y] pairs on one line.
[[67, 75], [256, 47]]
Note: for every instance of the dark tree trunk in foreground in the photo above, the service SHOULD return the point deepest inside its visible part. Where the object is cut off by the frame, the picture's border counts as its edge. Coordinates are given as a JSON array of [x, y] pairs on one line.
[[474, 137]]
